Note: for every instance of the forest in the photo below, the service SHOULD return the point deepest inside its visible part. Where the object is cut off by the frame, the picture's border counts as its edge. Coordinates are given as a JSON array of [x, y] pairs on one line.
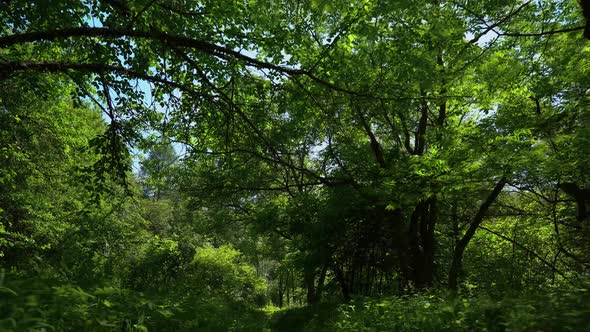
[[294, 165]]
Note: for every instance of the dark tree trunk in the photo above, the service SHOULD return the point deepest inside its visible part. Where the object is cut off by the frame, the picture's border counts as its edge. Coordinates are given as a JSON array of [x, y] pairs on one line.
[[342, 281], [287, 288], [585, 4], [422, 243], [310, 285], [318, 291], [281, 290], [398, 235], [428, 243], [314, 292], [581, 196], [415, 243]]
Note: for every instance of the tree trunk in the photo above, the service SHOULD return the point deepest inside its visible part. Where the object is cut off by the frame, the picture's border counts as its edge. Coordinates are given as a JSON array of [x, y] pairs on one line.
[[281, 290], [342, 281], [399, 242], [310, 285], [422, 243], [457, 262], [414, 243], [318, 290]]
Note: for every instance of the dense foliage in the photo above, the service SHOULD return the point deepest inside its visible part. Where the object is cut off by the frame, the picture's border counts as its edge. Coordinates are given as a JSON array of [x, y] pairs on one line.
[[281, 165]]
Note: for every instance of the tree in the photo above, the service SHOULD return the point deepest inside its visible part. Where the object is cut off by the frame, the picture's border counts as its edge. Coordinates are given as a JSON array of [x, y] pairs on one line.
[[44, 139], [157, 170]]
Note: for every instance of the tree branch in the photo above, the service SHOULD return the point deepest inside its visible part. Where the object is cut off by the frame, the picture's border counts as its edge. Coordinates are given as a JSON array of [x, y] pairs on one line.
[[178, 41], [11, 67], [460, 245], [375, 146], [165, 38], [537, 34]]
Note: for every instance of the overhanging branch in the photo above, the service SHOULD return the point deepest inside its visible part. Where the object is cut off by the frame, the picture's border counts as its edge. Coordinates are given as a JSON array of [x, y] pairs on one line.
[[54, 67], [173, 40], [543, 33]]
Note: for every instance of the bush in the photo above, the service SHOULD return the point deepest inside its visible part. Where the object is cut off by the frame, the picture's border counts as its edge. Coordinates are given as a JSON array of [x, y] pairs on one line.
[[221, 272], [549, 310], [35, 304]]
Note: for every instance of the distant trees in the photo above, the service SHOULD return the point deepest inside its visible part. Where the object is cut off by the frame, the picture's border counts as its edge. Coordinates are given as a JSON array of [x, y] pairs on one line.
[[157, 170]]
